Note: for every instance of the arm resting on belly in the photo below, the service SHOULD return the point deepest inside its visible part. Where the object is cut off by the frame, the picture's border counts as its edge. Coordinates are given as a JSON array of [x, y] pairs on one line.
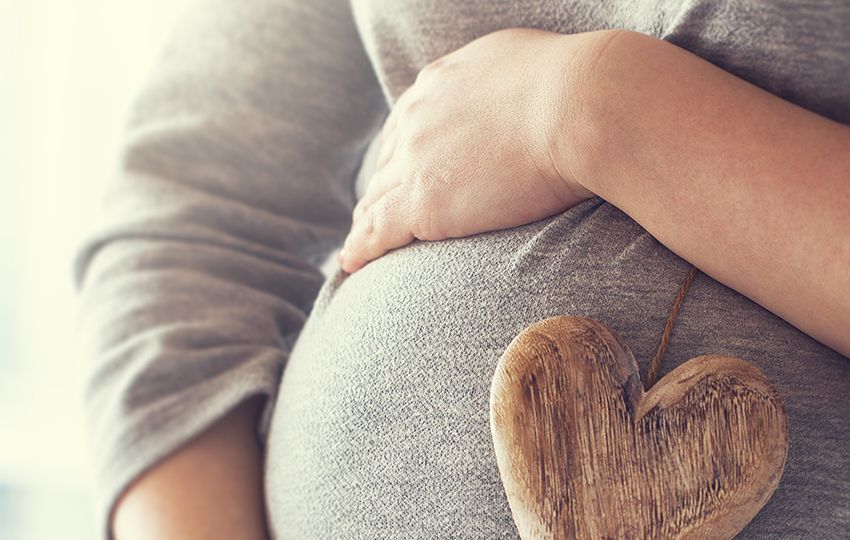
[[750, 188]]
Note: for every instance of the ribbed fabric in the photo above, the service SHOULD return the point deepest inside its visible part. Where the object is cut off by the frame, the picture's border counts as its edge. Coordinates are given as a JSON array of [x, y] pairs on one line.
[[239, 175]]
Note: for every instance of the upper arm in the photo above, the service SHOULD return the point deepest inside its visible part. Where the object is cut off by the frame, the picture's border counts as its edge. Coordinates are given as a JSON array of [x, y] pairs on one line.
[[235, 180]]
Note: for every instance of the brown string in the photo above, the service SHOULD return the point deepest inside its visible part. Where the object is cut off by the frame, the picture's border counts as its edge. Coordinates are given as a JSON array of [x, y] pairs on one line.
[[655, 363]]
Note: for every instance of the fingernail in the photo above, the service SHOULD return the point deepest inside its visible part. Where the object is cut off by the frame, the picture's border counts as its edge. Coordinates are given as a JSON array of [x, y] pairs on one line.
[[340, 257]]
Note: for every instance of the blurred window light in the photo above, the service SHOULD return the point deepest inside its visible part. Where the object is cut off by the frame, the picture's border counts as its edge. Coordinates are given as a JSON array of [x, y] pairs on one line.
[[72, 67]]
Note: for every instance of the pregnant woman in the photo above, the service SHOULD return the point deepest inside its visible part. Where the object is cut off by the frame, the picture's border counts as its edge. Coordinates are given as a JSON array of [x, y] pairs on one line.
[[512, 161]]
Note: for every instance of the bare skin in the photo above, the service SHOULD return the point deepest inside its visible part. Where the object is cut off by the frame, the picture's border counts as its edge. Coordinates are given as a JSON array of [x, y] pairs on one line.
[[760, 205], [210, 489], [750, 188]]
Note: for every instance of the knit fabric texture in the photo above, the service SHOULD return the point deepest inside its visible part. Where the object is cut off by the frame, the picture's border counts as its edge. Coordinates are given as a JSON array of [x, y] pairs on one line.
[[212, 277]]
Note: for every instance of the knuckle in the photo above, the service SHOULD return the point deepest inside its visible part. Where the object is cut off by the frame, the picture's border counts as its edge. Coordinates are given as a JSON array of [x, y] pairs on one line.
[[417, 140], [370, 219], [425, 207], [423, 74], [423, 184], [424, 224], [400, 104], [422, 207], [377, 217], [380, 217], [435, 70], [384, 157], [431, 68], [411, 105], [435, 64]]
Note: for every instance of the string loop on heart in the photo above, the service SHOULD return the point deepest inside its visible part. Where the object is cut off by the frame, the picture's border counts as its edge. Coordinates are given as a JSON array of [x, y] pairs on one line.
[[655, 362]]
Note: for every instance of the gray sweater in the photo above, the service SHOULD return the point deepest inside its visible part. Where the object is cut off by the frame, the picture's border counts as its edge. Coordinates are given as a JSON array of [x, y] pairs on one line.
[[238, 178]]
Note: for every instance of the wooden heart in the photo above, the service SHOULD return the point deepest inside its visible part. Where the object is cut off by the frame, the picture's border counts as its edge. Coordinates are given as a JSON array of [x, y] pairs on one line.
[[584, 452]]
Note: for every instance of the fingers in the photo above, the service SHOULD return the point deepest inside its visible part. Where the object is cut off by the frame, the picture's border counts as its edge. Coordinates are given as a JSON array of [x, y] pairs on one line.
[[381, 182], [379, 224], [390, 122], [389, 127], [388, 142], [382, 226]]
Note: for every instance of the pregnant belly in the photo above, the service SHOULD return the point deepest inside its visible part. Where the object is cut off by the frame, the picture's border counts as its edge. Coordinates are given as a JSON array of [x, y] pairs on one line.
[[381, 425]]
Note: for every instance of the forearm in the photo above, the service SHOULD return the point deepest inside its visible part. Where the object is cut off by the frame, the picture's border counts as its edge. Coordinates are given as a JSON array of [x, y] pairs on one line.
[[210, 489], [751, 189]]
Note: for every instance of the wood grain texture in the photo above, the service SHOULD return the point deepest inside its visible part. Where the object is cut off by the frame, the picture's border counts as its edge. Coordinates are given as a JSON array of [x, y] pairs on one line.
[[585, 453]]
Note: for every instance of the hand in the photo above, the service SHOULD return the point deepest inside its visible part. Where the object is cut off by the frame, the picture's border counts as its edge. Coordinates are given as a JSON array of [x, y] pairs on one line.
[[470, 146]]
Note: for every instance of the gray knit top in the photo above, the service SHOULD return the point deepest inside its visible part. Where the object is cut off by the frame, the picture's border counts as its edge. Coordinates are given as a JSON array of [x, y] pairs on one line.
[[243, 160]]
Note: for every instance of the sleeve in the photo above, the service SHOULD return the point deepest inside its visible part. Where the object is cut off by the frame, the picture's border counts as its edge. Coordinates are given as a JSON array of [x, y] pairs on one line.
[[234, 183]]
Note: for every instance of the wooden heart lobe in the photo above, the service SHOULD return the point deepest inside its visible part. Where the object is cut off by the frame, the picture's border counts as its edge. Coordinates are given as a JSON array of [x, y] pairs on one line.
[[584, 452]]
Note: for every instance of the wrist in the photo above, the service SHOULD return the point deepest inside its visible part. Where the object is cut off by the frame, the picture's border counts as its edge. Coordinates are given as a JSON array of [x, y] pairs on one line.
[[583, 132]]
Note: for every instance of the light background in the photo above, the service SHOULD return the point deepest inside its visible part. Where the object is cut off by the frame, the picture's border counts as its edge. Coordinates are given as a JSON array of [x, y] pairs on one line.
[[68, 70]]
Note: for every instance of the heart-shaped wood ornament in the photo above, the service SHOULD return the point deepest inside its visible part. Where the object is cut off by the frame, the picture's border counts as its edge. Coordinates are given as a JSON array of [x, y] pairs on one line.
[[584, 452]]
